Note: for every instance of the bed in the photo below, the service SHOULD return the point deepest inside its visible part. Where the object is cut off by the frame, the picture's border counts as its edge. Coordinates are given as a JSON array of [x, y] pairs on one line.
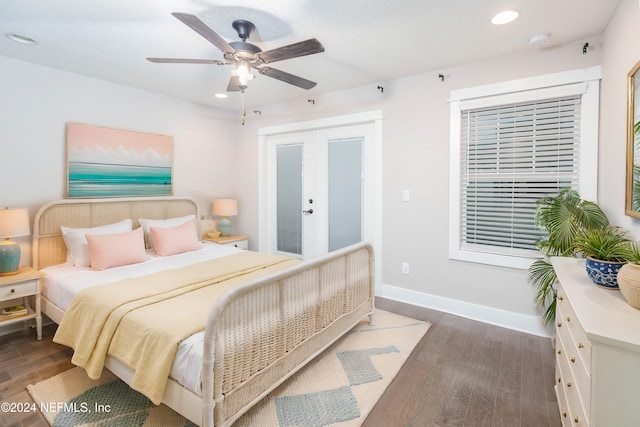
[[256, 333]]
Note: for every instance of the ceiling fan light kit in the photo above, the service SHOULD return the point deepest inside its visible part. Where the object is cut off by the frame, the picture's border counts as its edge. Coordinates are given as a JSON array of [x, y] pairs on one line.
[[245, 56]]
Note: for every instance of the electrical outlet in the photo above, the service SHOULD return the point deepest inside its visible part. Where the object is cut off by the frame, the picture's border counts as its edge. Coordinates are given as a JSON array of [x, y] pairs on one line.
[[405, 268]]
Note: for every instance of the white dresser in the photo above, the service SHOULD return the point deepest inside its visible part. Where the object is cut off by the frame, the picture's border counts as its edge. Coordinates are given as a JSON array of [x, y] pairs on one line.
[[597, 352]]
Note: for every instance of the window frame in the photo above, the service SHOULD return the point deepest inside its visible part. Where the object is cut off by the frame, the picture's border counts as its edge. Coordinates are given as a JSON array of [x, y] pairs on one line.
[[583, 82]]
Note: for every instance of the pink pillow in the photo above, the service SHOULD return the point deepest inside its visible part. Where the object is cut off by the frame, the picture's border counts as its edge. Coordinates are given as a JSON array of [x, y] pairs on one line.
[[112, 250], [175, 240]]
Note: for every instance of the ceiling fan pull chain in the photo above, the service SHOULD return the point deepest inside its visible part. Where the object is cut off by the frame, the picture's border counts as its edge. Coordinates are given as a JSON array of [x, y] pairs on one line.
[[244, 110]]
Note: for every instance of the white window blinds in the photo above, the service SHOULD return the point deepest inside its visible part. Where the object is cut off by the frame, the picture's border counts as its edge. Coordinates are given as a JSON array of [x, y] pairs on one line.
[[511, 156]]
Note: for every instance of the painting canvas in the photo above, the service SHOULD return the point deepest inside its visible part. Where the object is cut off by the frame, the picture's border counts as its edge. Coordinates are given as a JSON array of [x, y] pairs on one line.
[[104, 162]]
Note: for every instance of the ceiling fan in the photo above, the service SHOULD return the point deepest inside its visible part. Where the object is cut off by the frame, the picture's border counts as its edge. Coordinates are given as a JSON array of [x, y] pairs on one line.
[[245, 56]]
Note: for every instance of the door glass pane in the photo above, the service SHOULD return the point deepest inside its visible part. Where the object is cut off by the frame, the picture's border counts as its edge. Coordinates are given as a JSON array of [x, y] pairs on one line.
[[289, 198], [345, 192]]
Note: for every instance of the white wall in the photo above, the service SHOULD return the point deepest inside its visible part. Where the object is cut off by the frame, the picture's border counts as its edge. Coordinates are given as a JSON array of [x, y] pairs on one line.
[[415, 157], [36, 104], [622, 52]]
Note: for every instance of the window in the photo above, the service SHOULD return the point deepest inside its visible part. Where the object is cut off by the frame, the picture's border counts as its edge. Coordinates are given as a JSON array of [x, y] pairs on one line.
[[509, 148]]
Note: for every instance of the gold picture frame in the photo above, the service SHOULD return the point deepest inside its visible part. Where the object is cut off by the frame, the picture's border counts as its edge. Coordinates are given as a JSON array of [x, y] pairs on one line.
[[632, 195]]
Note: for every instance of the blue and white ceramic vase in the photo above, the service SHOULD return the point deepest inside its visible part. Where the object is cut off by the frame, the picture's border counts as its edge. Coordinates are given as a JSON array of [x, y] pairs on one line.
[[603, 273]]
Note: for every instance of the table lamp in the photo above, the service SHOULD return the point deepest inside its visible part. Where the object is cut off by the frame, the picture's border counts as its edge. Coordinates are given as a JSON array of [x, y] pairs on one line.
[[225, 208], [13, 223]]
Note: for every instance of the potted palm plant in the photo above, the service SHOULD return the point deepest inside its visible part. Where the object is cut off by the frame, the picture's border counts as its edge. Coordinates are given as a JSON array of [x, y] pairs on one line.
[[607, 249], [561, 218]]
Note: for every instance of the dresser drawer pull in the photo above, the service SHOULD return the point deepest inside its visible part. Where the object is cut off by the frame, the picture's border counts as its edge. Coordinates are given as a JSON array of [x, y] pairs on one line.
[[568, 319], [559, 351], [560, 297], [13, 291], [576, 419], [573, 359], [564, 414], [559, 324], [580, 345], [569, 385], [559, 379]]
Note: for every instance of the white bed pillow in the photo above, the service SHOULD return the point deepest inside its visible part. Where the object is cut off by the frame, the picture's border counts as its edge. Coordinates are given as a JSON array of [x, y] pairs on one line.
[[146, 225], [76, 242]]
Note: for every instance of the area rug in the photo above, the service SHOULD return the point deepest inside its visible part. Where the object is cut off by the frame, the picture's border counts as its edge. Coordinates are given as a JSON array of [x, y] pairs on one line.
[[338, 388]]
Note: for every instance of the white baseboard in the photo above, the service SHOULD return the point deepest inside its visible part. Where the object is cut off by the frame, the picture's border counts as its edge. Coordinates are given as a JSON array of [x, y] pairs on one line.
[[506, 319]]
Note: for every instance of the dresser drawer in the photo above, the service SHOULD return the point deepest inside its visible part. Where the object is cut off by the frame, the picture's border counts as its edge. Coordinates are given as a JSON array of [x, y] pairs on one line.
[[17, 290], [565, 417], [575, 413], [572, 375], [565, 317]]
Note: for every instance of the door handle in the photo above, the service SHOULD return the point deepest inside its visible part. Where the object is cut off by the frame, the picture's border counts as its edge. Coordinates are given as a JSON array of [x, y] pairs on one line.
[[308, 212]]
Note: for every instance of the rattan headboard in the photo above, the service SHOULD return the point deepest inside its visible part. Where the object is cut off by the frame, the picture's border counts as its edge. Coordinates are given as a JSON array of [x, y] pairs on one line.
[[48, 247]]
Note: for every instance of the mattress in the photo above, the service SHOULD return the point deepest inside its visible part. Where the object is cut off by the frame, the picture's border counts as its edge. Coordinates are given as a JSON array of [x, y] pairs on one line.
[[62, 282]]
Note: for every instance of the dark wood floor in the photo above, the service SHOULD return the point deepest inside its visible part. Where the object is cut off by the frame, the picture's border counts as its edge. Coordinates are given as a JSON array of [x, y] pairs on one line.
[[462, 373]]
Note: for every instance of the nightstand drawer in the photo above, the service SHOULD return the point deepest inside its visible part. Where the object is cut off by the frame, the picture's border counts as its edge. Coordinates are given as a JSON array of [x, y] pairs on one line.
[[17, 290], [242, 244]]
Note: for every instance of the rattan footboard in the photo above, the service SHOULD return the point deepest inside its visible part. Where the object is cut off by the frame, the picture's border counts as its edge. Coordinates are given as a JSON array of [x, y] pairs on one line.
[[262, 333]]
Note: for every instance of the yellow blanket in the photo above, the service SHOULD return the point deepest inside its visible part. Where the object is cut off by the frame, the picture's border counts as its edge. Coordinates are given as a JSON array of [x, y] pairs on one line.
[[140, 321]]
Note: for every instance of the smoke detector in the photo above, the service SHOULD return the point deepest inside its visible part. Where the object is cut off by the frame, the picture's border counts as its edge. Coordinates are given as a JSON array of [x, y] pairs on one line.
[[539, 40]]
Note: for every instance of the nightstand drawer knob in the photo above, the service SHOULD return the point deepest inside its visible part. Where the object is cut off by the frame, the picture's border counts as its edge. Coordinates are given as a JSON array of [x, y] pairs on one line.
[[13, 291]]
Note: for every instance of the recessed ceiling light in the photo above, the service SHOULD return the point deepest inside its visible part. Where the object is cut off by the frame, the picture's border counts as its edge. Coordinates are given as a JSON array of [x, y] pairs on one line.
[[221, 95], [504, 17], [20, 38]]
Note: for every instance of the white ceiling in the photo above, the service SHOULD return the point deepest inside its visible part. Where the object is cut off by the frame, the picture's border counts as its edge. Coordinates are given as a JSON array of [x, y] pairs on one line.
[[366, 41]]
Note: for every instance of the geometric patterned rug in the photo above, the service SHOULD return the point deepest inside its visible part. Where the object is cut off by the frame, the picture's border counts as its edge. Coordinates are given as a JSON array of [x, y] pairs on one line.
[[338, 388]]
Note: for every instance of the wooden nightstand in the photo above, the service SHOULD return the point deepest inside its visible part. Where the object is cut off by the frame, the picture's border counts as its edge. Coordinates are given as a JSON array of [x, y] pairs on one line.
[[235, 240], [24, 284]]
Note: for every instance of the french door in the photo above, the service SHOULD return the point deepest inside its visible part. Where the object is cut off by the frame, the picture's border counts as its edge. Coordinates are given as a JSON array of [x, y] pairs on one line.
[[320, 187]]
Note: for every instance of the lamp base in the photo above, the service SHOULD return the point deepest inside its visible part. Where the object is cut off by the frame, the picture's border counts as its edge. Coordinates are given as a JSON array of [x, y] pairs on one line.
[[9, 257], [225, 227]]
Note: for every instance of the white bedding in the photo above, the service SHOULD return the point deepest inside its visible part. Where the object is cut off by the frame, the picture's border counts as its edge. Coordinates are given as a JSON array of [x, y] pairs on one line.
[[62, 282]]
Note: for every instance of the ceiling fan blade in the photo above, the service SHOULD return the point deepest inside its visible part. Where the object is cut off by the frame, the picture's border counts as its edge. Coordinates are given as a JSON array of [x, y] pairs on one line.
[[307, 47], [234, 84], [287, 78], [201, 28], [185, 61]]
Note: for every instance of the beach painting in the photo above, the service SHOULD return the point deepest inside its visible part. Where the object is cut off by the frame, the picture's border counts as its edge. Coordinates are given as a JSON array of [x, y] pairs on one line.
[[104, 162]]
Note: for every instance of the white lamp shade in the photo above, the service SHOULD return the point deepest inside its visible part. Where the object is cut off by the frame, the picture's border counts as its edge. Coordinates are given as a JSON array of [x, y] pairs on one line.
[[14, 223], [225, 207]]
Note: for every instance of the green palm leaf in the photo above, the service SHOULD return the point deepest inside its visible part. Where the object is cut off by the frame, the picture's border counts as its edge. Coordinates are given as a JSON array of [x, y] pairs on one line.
[[562, 218]]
